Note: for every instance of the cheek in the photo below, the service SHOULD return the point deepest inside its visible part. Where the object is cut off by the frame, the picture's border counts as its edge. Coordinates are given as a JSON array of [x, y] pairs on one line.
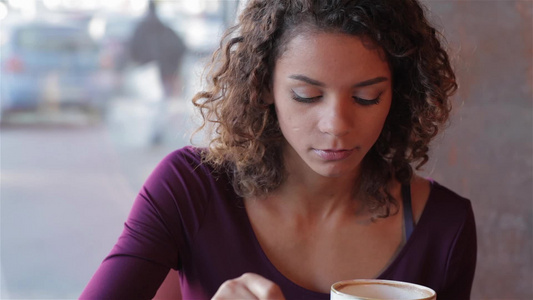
[[294, 126], [379, 125], [373, 123], [287, 115], [289, 122]]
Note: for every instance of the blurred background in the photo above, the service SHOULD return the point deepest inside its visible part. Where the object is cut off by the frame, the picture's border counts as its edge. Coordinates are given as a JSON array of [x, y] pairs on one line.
[[84, 119], [86, 115]]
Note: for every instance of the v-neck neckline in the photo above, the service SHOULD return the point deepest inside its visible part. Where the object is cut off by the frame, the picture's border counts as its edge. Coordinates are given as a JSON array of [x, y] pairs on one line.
[[398, 255]]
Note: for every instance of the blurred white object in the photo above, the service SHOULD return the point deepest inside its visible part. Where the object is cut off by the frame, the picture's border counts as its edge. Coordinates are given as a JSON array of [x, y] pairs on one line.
[[3, 11], [131, 121], [132, 116], [142, 82]]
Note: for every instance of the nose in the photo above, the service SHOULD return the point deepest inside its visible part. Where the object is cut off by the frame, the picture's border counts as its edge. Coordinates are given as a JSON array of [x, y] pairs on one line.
[[337, 117]]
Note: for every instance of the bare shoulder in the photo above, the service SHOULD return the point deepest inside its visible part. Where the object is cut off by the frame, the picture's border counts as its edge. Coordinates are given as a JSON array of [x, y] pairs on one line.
[[420, 189]]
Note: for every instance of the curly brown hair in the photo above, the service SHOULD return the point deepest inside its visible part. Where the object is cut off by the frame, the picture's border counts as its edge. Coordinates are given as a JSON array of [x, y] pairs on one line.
[[246, 139]]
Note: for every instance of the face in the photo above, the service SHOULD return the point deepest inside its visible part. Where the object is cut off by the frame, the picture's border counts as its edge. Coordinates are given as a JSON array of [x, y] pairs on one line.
[[332, 94]]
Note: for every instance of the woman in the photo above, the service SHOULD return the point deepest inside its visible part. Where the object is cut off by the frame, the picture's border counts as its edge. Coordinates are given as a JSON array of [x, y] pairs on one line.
[[317, 110]]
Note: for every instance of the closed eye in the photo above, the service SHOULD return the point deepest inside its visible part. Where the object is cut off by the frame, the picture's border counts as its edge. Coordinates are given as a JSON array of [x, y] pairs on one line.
[[367, 102], [301, 99], [359, 100]]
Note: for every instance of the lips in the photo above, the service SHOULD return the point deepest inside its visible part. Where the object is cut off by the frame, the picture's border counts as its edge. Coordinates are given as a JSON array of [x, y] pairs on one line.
[[333, 155]]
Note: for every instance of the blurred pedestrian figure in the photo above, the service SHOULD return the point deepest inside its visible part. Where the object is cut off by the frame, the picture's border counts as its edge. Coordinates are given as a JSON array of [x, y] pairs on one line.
[[153, 41], [156, 43]]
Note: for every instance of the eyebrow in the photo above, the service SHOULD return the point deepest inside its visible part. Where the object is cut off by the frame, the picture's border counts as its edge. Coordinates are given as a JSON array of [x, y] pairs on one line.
[[321, 84]]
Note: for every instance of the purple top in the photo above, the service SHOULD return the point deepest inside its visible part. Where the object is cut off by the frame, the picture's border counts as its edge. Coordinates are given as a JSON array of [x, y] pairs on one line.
[[188, 217]]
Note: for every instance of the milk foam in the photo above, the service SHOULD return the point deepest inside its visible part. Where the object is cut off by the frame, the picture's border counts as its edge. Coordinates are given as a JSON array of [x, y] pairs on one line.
[[383, 292]]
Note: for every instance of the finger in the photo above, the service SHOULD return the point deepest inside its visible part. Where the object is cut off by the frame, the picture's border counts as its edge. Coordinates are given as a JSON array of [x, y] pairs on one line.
[[233, 289], [261, 287]]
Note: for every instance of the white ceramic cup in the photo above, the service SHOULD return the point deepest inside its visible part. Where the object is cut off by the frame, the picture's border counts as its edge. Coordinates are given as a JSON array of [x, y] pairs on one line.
[[375, 289]]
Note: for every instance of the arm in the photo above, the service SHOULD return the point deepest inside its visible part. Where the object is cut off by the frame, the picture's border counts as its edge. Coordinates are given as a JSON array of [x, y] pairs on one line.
[[461, 262], [150, 242], [140, 260], [125, 278]]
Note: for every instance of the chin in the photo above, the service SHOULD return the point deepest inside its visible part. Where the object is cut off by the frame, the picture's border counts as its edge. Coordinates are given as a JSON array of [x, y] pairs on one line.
[[339, 168], [334, 172]]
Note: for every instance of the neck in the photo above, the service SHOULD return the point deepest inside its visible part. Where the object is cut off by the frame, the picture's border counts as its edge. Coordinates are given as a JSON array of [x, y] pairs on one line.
[[314, 196]]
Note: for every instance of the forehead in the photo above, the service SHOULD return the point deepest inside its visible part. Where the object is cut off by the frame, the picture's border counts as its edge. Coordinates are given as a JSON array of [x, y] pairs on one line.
[[332, 54]]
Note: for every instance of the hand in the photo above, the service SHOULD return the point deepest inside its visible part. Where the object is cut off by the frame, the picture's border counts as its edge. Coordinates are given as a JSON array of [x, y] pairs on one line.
[[249, 286]]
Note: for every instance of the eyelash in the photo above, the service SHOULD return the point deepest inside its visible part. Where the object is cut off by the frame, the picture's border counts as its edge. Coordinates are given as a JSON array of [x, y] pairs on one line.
[[360, 101]]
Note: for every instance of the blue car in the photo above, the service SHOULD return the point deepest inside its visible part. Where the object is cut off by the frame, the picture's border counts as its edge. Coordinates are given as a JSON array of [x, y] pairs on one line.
[[46, 64]]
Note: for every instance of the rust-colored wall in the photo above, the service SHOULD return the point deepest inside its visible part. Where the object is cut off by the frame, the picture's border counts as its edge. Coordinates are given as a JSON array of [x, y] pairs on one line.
[[486, 154]]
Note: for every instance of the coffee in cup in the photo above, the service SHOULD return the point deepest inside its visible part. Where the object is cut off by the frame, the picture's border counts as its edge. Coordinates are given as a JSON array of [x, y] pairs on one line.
[[376, 289]]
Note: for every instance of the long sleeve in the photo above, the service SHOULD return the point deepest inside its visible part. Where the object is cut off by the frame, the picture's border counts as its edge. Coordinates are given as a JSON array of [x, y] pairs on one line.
[[125, 278], [159, 225], [139, 261]]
